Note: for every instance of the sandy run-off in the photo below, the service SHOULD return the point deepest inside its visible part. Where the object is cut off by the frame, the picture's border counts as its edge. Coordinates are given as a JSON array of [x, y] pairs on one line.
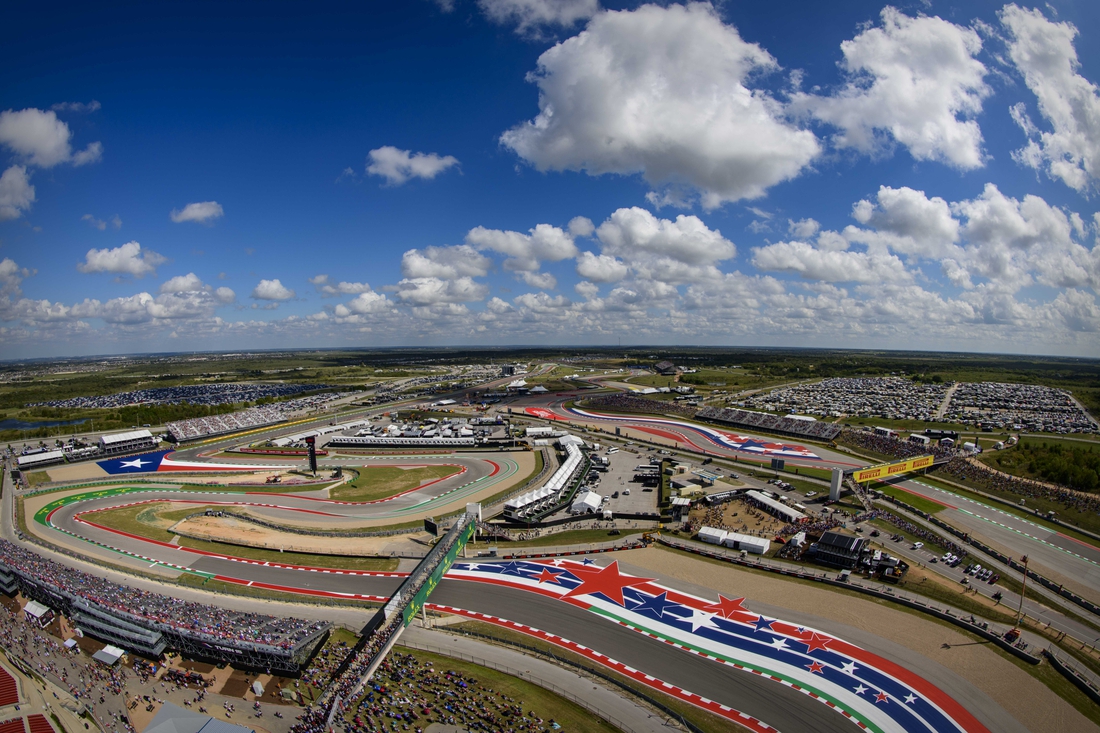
[[1025, 698], [235, 531]]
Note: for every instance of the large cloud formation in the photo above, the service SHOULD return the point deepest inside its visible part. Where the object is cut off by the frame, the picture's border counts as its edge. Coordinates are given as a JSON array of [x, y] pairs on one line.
[[663, 92], [915, 81], [1043, 52]]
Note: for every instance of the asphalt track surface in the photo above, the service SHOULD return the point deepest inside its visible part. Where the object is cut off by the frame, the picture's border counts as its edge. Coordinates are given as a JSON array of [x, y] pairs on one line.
[[1047, 549], [775, 704]]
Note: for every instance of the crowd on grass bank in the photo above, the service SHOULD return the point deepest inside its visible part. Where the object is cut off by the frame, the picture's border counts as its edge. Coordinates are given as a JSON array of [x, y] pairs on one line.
[[900, 449], [987, 479], [221, 623], [409, 695], [624, 402]]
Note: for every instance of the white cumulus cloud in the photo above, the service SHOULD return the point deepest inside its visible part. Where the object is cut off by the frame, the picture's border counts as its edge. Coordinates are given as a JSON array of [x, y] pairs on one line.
[[202, 212], [1044, 53], [663, 92], [601, 268], [544, 243], [398, 166], [272, 290], [445, 262], [530, 16], [42, 140], [128, 259], [829, 266], [428, 291], [16, 193], [635, 234], [916, 81]]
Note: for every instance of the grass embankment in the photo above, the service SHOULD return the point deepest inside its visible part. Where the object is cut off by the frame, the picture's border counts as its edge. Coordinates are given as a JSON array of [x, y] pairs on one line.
[[380, 482], [153, 520], [701, 718], [1076, 465], [914, 500], [36, 478], [544, 703]]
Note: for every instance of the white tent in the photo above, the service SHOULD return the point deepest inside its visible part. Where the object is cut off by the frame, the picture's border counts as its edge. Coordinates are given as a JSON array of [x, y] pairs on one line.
[[586, 503], [712, 535]]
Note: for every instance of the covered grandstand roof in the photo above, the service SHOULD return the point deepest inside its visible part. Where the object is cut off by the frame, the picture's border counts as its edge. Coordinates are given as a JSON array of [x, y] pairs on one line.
[[115, 438]]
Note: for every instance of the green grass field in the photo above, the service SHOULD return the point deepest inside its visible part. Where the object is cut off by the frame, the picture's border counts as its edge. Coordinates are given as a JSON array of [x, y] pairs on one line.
[[380, 482], [1076, 465], [917, 502]]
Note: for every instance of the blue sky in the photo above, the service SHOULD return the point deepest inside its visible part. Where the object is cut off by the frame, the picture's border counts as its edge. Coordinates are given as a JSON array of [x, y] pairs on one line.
[[213, 176]]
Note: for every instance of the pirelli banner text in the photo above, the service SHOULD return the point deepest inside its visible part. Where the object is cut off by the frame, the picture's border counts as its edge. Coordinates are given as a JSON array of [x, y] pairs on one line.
[[887, 470]]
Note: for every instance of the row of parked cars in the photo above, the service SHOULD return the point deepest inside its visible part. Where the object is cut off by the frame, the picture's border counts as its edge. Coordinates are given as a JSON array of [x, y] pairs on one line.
[[981, 573]]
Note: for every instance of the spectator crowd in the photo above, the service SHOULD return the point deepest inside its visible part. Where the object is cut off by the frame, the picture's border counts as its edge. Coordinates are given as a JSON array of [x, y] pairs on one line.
[[895, 447], [800, 427], [187, 616], [987, 479], [625, 402], [409, 694]]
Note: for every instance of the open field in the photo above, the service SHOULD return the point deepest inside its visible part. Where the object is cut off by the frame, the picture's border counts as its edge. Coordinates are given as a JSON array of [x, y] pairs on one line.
[[1076, 465]]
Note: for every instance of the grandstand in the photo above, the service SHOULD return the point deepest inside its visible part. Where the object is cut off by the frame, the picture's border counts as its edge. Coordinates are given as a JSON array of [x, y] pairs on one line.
[[148, 623], [134, 440], [45, 458], [795, 427], [365, 441], [197, 428]]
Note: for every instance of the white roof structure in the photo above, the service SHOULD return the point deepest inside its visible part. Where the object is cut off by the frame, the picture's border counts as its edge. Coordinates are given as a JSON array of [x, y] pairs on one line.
[[757, 545], [539, 390], [570, 440], [585, 503], [544, 497], [712, 535], [116, 438], [109, 655], [36, 609], [781, 510], [35, 459]]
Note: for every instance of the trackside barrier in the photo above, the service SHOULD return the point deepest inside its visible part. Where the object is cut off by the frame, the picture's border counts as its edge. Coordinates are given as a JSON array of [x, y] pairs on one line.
[[945, 615], [1005, 559], [1080, 681]]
